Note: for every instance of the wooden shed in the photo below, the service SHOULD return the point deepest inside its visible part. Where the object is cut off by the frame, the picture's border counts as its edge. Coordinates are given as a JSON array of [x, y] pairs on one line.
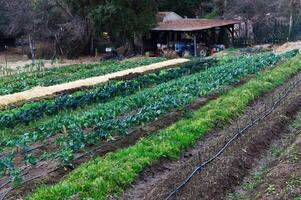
[[172, 29]]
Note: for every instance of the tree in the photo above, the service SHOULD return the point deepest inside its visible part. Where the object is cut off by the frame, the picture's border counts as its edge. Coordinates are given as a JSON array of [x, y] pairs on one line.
[[189, 8], [124, 19]]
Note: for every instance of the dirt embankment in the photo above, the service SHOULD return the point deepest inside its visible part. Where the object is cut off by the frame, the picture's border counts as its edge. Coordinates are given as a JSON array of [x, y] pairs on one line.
[[278, 174], [282, 178], [229, 169]]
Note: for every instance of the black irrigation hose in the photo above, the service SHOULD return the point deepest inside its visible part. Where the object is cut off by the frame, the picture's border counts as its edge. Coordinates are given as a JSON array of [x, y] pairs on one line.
[[233, 138], [27, 181]]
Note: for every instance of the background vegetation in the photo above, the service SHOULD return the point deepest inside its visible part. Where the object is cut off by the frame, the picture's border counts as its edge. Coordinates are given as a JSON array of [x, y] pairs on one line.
[[72, 27]]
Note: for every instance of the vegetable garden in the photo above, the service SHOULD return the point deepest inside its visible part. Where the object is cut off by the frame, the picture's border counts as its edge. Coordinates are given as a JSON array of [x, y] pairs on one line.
[[60, 128]]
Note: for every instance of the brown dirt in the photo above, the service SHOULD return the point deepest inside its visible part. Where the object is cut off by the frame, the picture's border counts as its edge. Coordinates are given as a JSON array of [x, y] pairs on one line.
[[228, 170], [16, 59], [281, 179]]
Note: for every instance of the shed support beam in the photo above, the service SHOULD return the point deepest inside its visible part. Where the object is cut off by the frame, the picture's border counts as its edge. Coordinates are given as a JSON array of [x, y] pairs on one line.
[[232, 31], [195, 45]]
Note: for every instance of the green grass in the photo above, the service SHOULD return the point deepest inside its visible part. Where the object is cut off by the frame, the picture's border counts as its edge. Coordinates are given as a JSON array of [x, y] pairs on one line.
[[237, 196], [256, 180], [271, 189], [110, 174], [297, 122], [294, 182]]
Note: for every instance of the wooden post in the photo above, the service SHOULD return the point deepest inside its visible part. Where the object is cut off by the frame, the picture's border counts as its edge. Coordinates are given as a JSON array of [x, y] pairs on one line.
[[195, 45], [232, 35], [213, 35], [168, 40], [31, 49], [231, 30]]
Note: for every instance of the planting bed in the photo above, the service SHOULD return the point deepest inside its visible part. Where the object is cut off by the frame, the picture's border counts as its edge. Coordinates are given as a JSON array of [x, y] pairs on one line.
[[78, 126], [277, 175]]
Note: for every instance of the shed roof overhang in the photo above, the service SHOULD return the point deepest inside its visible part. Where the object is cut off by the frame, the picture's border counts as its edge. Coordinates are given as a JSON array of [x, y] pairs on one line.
[[189, 25]]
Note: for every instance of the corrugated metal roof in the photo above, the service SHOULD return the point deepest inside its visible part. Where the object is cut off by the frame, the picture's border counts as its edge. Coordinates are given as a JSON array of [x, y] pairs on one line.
[[192, 24]]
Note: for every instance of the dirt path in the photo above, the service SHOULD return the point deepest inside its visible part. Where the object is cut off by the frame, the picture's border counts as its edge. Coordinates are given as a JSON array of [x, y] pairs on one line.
[[228, 170], [39, 92]]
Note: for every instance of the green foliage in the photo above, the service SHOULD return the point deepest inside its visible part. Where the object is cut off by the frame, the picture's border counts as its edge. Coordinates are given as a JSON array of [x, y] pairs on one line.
[[189, 8], [237, 196], [109, 175], [212, 15], [33, 111], [271, 189], [294, 154], [124, 18], [294, 182], [256, 180]]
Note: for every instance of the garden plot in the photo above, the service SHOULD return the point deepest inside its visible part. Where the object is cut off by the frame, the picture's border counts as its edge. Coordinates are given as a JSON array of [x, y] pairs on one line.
[[78, 130]]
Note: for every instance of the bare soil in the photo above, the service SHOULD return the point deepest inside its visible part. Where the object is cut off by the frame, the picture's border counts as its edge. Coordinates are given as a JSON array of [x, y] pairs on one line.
[[278, 174], [229, 169], [15, 59], [282, 181]]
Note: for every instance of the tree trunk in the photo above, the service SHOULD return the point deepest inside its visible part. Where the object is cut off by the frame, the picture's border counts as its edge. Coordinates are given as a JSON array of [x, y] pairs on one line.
[[32, 50]]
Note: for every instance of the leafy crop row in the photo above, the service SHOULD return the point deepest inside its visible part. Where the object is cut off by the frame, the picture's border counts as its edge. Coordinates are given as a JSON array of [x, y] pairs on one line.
[[103, 93], [190, 87], [24, 81], [110, 174]]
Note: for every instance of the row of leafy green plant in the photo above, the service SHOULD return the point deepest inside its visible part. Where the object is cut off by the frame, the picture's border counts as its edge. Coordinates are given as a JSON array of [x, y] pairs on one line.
[[109, 175], [38, 67], [198, 84], [53, 76], [101, 94], [124, 113]]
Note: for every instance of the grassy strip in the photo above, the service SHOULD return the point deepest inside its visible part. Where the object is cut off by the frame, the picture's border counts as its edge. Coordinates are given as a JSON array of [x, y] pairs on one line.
[[276, 154], [110, 174]]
